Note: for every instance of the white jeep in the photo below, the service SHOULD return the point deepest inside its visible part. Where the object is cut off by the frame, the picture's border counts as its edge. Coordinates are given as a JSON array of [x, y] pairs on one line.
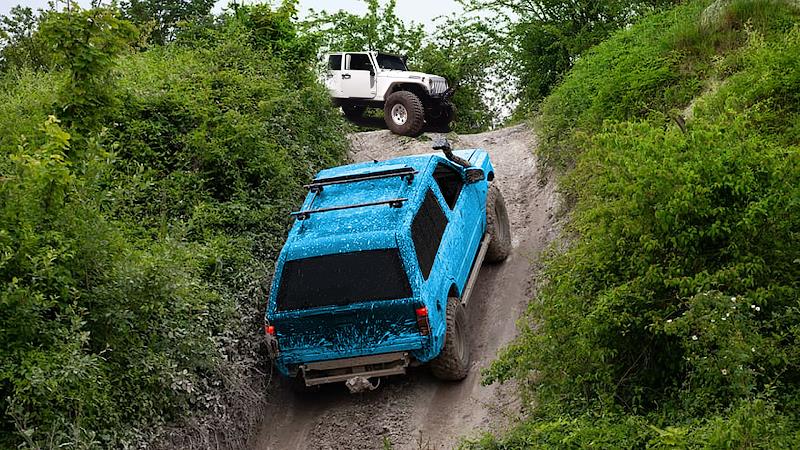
[[361, 80]]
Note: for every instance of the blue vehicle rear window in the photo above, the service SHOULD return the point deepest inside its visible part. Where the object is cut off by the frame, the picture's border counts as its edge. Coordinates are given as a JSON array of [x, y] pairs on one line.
[[342, 279]]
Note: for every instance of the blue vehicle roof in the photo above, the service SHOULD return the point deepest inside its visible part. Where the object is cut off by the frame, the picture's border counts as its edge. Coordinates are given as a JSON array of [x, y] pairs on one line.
[[362, 228]]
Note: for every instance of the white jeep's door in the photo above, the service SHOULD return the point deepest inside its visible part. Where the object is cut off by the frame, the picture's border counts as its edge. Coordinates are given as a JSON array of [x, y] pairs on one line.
[[333, 81], [358, 76]]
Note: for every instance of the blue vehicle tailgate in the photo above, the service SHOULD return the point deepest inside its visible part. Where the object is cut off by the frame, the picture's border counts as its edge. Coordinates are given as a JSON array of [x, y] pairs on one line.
[[343, 332]]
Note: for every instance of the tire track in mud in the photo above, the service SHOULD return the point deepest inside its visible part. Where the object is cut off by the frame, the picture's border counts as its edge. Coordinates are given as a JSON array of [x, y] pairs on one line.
[[418, 411]]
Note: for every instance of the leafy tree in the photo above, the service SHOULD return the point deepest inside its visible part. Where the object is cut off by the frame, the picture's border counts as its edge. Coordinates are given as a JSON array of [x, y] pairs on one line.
[[161, 17], [464, 53], [545, 37], [276, 30], [86, 44], [20, 46], [379, 29]]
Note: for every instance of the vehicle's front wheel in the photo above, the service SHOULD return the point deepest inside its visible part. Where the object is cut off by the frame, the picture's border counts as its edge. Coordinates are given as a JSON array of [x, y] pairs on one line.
[[497, 226], [404, 113], [452, 364], [354, 112]]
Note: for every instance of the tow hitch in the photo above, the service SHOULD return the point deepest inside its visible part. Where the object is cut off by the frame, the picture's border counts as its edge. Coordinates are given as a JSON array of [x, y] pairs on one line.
[[359, 384]]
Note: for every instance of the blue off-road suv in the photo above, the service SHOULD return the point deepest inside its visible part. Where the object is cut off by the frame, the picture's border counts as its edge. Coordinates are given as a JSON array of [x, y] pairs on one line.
[[379, 265]]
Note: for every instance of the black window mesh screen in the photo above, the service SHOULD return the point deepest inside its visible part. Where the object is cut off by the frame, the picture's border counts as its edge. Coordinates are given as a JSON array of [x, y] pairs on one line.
[[450, 183], [427, 230], [342, 279]]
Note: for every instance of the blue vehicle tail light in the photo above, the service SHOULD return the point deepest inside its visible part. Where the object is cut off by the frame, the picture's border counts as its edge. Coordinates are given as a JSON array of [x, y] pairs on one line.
[[423, 321]]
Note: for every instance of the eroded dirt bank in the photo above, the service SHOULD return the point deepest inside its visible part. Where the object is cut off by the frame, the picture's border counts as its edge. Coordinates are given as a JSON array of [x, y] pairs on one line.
[[418, 411]]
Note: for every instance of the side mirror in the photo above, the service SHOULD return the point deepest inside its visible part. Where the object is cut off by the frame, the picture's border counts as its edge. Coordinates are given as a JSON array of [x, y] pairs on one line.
[[474, 175]]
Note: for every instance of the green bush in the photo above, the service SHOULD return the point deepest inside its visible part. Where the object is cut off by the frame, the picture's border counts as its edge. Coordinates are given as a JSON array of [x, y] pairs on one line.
[[95, 332], [652, 70], [137, 240], [671, 318]]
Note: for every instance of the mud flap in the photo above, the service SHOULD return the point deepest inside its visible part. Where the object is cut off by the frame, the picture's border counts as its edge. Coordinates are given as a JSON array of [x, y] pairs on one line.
[[272, 347]]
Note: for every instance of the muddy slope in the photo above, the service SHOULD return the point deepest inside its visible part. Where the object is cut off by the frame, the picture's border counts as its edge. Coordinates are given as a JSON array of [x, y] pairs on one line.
[[419, 411]]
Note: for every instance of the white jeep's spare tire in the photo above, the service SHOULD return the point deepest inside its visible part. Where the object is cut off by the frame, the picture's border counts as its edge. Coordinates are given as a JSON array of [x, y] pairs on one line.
[[404, 113]]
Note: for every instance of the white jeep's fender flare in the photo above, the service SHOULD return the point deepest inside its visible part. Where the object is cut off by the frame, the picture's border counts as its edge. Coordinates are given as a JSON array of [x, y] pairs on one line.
[[392, 88]]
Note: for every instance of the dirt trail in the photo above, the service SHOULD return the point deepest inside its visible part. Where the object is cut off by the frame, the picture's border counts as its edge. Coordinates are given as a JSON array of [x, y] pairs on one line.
[[418, 411]]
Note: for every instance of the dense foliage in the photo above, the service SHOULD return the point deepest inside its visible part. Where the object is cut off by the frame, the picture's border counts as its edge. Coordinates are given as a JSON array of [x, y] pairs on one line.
[[672, 317], [160, 19], [542, 39], [20, 46], [143, 198]]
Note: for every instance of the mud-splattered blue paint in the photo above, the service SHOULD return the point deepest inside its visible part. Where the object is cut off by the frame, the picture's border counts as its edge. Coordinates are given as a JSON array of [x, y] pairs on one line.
[[334, 332]]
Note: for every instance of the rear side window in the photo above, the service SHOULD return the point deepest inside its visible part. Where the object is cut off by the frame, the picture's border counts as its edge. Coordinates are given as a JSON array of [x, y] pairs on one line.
[[335, 62], [450, 183], [360, 61], [342, 279], [427, 231]]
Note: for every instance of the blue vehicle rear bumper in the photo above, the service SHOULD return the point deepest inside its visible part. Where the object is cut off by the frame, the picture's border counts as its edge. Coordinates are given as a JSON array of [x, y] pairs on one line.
[[289, 360]]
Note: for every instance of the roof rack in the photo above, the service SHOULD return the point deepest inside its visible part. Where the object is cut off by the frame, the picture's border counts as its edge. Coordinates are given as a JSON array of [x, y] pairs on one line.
[[393, 203], [403, 172]]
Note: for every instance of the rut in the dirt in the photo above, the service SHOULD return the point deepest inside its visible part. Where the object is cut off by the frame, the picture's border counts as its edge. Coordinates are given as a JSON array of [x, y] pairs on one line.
[[419, 411]]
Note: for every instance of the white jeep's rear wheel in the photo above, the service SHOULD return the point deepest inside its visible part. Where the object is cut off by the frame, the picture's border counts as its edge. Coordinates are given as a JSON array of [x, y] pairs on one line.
[[404, 113]]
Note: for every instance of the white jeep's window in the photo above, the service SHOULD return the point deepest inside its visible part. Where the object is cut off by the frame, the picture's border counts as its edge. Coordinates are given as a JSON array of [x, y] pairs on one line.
[[335, 62], [391, 62], [360, 61]]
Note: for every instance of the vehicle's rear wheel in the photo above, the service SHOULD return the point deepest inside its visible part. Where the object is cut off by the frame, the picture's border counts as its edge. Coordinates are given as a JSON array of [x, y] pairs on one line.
[[354, 112], [497, 226], [452, 364], [404, 113], [442, 116]]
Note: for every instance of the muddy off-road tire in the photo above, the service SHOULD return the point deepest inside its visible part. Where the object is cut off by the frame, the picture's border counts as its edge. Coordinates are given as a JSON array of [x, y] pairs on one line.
[[497, 226], [404, 114], [354, 112], [452, 364]]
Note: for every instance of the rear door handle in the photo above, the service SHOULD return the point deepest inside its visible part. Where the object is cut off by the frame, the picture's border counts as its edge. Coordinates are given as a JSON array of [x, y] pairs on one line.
[[346, 76]]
